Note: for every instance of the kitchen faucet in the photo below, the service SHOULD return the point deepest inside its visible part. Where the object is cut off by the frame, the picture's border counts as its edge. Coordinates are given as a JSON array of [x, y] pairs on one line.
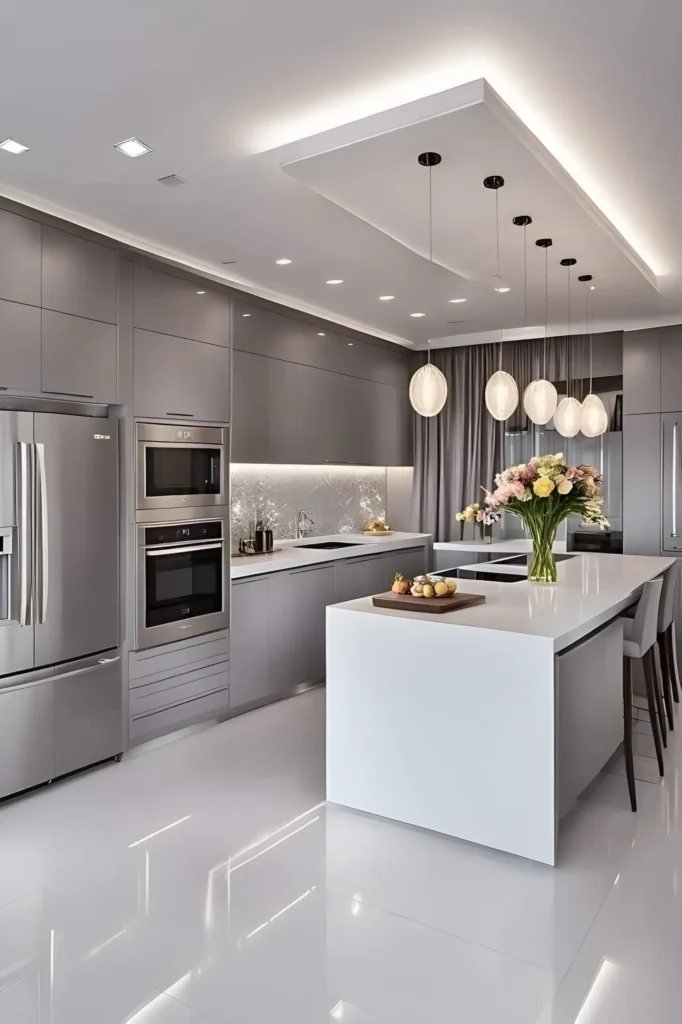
[[303, 524]]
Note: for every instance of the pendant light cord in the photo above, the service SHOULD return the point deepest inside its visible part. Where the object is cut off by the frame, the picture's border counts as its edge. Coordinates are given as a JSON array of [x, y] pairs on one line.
[[497, 231], [569, 381], [589, 324], [430, 216], [544, 343]]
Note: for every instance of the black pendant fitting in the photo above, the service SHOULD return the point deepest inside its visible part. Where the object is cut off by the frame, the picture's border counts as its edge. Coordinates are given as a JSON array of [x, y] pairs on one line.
[[569, 262], [429, 159], [544, 243], [585, 277], [522, 221], [494, 181]]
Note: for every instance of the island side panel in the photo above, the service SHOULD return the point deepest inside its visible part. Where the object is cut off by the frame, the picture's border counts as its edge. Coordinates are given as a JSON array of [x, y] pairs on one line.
[[451, 728]]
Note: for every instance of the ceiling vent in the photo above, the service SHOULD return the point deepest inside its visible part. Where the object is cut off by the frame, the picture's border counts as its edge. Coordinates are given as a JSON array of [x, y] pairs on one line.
[[172, 180]]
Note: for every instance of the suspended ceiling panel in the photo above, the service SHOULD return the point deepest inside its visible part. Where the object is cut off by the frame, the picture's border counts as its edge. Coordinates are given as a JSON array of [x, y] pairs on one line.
[[370, 169]]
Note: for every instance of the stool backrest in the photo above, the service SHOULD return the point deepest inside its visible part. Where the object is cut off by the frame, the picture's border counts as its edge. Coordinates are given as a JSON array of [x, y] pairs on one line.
[[666, 609], [645, 623]]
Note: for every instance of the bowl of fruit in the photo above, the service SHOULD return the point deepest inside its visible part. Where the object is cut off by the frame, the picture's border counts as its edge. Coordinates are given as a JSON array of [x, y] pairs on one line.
[[376, 526], [424, 586]]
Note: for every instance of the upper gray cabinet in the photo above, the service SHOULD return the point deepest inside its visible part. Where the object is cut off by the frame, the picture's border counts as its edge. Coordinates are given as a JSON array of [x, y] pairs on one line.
[[19, 347], [177, 377], [671, 369], [79, 277], [78, 357], [19, 259], [171, 305], [642, 371]]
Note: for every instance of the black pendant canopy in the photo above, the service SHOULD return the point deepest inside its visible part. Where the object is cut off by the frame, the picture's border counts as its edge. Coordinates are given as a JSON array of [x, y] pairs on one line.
[[585, 277], [429, 159], [569, 262], [522, 221], [544, 243], [493, 181]]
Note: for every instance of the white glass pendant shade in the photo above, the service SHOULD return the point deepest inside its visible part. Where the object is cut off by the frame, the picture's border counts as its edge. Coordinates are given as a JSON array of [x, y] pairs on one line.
[[594, 419], [501, 395], [567, 417], [540, 400], [428, 390]]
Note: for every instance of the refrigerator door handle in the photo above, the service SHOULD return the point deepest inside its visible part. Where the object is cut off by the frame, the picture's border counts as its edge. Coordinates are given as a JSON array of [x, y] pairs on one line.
[[42, 538], [674, 533], [24, 531]]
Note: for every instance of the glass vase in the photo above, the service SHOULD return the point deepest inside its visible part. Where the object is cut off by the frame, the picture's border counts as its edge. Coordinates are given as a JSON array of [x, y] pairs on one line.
[[542, 568]]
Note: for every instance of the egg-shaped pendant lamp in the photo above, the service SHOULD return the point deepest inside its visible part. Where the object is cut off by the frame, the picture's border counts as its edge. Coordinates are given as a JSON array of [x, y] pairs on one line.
[[501, 395], [567, 417], [540, 401], [594, 419], [428, 390]]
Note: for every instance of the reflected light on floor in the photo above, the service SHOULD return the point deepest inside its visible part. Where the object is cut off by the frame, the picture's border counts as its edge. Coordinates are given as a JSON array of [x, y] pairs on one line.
[[600, 989]]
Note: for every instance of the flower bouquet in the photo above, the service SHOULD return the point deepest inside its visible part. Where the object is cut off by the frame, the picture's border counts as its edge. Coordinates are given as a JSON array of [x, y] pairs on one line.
[[542, 493], [484, 517]]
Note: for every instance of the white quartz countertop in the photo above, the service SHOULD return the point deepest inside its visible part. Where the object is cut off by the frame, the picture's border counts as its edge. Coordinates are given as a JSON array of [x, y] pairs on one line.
[[591, 589], [294, 554], [497, 546]]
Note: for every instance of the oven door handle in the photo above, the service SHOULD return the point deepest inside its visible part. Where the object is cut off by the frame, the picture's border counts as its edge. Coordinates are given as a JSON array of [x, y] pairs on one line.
[[182, 550]]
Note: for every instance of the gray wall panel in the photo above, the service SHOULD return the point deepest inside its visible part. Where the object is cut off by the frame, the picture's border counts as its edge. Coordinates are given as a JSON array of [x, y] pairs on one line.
[[641, 371], [642, 484]]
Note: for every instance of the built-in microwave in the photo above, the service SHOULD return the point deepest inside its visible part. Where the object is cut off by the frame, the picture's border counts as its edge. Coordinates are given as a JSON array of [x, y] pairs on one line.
[[180, 466], [182, 580]]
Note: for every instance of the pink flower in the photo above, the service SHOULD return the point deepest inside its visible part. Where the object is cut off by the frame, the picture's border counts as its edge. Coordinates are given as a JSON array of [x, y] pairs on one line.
[[517, 488], [528, 474], [480, 515], [574, 474]]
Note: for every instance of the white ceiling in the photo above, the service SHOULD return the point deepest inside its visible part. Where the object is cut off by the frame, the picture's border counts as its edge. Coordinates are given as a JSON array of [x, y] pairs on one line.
[[222, 92]]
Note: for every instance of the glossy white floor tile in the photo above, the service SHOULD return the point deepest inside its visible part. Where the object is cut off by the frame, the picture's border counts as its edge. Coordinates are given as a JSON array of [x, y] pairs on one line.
[[206, 882]]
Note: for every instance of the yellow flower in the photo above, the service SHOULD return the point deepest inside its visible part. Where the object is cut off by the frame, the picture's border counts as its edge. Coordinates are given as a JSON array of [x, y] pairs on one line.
[[543, 487], [460, 517], [470, 517], [565, 486]]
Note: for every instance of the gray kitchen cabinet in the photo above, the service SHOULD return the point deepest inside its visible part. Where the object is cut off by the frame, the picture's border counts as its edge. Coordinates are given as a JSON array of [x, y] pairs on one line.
[[642, 484], [353, 578], [365, 575], [642, 371], [671, 368], [252, 421], [19, 347], [19, 259], [177, 377], [171, 305], [296, 628], [249, 630], [78, 276], [671, 463], [78, 357]]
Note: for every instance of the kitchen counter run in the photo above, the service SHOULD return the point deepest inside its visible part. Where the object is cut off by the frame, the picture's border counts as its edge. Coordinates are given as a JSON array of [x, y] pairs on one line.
[[294, 556]]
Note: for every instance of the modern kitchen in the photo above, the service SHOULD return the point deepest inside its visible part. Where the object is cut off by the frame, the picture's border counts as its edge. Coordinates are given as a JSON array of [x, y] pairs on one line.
[[340, 547]]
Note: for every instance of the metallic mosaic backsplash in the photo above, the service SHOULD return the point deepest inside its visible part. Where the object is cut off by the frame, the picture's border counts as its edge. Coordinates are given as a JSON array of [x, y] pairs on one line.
[[339, 499]]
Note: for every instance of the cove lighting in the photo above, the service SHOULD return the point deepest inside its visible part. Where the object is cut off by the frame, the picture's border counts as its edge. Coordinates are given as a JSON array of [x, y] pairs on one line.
[[386, 298], [132, 147], [335, 280], [11, 146], [284, 262]]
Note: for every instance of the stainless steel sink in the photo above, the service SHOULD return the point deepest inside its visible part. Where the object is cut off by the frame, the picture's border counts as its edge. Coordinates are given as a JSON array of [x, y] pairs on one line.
[[329, 545]]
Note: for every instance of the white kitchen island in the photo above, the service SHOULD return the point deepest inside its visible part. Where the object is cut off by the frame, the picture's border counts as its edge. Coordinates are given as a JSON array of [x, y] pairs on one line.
[[486, 723]]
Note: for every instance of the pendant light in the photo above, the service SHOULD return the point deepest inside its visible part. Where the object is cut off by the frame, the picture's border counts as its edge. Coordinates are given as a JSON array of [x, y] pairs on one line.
[[540, 397], [428, 387], [569, 409], [501, 392], [594, 419]]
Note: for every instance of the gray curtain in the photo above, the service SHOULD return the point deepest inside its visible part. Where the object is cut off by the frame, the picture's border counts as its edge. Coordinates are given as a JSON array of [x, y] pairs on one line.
[[461, 449]]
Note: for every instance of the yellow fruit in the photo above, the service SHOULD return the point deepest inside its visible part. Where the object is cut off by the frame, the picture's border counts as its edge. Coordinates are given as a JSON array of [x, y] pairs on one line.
[[452, 584], [428, 591], [442, 589]]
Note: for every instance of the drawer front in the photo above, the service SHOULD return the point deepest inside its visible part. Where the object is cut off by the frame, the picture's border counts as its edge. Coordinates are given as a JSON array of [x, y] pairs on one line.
[[148, 727], [177, 689], [172, 659]]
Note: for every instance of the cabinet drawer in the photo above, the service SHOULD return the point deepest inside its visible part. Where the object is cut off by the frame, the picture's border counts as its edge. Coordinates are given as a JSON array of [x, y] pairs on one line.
[[164, 693], [147, 727], [201, 652]]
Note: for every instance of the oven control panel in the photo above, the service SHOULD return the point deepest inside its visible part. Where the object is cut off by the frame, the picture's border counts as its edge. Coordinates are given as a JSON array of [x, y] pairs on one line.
[[183, 533]]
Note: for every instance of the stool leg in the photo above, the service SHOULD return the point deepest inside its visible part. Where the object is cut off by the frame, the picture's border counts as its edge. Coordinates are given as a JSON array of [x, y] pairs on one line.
[[627, 738], [658, 693], [653, 712], [669, 640], [667, 685]]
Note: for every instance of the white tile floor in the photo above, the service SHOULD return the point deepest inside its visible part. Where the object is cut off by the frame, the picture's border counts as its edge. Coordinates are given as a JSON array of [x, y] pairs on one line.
[[206, 883]]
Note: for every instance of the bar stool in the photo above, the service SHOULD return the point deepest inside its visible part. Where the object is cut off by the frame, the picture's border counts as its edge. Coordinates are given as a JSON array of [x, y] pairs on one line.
[[639, 637], [666, 639]]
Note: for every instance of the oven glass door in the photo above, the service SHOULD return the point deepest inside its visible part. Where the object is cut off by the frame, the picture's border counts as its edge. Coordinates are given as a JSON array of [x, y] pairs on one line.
[[179, 471], [183, 583]]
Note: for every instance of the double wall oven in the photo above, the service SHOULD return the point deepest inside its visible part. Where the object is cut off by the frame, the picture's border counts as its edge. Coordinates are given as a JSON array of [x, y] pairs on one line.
[[183, 543]]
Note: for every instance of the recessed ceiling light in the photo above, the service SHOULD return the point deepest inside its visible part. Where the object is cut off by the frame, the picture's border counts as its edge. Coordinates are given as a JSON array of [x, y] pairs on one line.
[[592, 287], [350, 344], [502, 290], [133, 147], [335, 280], [386, 298], [417, 314], [456, 300], [201, 292], [321, 334], [246, 314], [283, 262], [10, 146]]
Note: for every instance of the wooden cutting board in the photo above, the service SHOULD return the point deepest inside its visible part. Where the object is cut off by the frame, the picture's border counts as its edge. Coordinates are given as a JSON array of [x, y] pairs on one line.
[[434, 605]]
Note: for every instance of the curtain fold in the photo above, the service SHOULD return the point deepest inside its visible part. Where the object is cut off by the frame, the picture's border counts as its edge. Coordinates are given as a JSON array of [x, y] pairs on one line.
[[461, 449]]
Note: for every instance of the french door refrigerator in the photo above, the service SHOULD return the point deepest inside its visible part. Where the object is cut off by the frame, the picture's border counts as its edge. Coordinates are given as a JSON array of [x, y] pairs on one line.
[[60, 679]]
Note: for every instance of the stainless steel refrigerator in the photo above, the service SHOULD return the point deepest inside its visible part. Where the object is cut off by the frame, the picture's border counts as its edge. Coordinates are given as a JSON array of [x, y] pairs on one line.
[[60, 678]]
